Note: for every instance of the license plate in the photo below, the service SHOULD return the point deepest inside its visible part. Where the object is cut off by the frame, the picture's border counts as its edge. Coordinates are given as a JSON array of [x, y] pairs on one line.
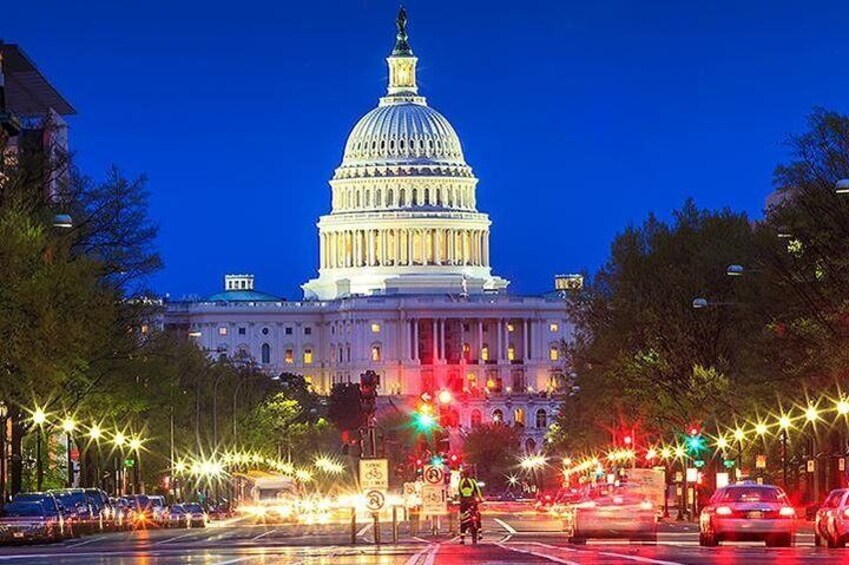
[[756, 515], [18, 534]]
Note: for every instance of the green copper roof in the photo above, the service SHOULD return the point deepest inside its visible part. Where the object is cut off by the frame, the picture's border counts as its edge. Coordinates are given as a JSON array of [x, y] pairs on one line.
[[243, 296]]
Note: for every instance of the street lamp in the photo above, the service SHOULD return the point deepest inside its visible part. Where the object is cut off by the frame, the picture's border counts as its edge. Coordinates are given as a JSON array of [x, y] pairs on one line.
[[735, 270], [699, 303], [842, 186], [68, 426], [119, 440], [135, 448], [63, 221], [39, 418]]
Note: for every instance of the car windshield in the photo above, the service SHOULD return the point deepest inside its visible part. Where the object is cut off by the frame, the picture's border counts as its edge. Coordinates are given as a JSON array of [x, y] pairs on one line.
[[71, 499], [177, 509], [141, 502], [23, 509], [833, 499], [157, 502], [194, 508], [752, 494]]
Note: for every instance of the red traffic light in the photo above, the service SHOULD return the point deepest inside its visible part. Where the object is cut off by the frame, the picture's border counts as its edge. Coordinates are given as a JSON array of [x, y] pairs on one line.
[[693, 431], [627, 440]]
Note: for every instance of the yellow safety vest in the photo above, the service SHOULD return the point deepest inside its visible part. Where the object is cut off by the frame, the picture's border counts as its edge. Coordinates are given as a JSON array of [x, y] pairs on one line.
[[468, 488]]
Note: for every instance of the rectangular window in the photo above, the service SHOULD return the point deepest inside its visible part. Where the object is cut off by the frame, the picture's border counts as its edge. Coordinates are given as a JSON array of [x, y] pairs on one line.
[[144, 328], [289, 357], [554, 328], [511, 353], [307, 356], [242, 331], [289, 331], [554, 353], [307, 330], [510, 327], [375, 328], [484, 353], [222, 331]]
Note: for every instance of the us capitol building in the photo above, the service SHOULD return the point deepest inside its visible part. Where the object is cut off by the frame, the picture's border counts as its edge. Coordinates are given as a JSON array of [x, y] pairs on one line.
[[404, 283]]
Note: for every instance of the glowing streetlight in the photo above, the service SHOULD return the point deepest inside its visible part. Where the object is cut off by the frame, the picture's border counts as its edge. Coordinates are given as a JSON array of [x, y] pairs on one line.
[[760, 428], [680, 451], [445, 397], [842, 406], [812, 414], [180, 467], [666, 452], [135, 444], [722, 443], [39, 417], [739, 434], [68, 425], [784, 422], [120, 439], [94, 432]]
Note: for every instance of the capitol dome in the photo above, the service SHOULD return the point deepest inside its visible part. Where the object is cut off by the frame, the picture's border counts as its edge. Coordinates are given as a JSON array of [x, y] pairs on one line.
[[404, 217], [403, 131]]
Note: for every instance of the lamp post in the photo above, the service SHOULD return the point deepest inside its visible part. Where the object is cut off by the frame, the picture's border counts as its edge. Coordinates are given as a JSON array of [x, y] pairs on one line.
[[94, 434], [135, 448], [39, 418], [4, 414], [119, 440], [68, 426], [784, 425]]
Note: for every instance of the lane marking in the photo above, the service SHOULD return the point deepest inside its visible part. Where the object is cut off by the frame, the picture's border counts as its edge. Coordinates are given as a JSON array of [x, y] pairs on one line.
[[239, 560], [414, 559], [363, 531], [505, 539], [538, 554], [167, 540], [510, 529], [86, 542], [263, 534], [431, 556], [636, 558]]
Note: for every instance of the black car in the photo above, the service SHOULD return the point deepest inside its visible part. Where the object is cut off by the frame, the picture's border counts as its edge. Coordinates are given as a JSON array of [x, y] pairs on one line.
[[80, 511], [52, 505], [23, 522]]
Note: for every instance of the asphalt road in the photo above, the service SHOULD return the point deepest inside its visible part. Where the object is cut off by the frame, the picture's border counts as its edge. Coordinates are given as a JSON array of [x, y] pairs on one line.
[[510, 537]]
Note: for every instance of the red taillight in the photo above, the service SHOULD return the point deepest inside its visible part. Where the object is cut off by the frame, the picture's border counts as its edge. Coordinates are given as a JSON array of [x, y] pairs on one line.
[[723, 511], [787, 512]]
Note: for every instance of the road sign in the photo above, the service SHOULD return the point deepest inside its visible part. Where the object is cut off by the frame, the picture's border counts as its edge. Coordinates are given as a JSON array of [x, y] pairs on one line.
[[374, 474], [434, 475], [434, 500], [760, 462], [375, 500], [409, 489]]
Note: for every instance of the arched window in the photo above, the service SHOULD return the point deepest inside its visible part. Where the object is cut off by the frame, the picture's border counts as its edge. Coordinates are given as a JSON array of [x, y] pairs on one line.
[[476, 418], [498, 416], [554, 353], [530, 446], [467, 352], [415, 199], [266, 353], [541, 419], [427, 196], [484, 352], [375, 352], [511, 352], [377, 198], [389, 195], [402, 197], [519, 417]]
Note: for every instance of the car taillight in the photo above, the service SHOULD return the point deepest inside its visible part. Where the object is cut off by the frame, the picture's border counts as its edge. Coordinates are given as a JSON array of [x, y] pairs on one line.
[[646, 505], [723, 511], [787, 512], [588, 504]]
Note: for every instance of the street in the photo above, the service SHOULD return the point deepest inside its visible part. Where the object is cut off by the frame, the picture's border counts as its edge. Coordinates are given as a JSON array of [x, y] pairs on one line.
[[510, 537]]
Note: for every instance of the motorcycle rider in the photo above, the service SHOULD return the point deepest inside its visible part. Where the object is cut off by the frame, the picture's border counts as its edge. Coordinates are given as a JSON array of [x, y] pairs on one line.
[[470, 495]]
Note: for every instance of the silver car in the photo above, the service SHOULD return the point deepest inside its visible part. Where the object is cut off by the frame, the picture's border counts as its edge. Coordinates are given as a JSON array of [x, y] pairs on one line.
[[748, 512]]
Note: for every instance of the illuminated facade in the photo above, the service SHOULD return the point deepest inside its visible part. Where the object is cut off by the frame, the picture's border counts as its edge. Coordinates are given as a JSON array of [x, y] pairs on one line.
[[404, 282]]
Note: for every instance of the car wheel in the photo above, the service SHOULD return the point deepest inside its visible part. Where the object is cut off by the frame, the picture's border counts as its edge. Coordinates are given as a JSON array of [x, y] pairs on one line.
[[708, 540], [830, 542], [577, 540], [817, 540]]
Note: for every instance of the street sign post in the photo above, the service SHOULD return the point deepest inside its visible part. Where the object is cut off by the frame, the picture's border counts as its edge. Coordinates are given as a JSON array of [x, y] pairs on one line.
[[434, 475], [375, 500], [434, 500], [374, 474]]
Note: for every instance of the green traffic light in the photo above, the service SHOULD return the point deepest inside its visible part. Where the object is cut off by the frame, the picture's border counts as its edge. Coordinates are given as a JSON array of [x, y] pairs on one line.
[[436, 461], [424, 422], [696, 444]]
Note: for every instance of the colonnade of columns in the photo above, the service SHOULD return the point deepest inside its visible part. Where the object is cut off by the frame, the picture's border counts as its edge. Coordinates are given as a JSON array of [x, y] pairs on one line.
[[512, 342], [360, 198], [403, 247]]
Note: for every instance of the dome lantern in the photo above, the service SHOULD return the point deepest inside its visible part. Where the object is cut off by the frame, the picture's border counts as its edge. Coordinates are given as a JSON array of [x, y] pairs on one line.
[[402, 62]]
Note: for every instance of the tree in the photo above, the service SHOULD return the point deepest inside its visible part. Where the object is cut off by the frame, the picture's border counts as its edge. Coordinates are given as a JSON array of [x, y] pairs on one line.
[[492, 448], [343, 409], [643, 354]]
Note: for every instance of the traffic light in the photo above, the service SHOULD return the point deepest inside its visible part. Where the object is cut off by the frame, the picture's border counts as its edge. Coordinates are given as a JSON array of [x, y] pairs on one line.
[[424, 419], [369, 383], [695, 444], [437, 460]]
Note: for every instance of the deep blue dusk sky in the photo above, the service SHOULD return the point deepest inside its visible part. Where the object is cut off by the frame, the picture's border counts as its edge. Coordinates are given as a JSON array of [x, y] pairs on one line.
[[579, 118]]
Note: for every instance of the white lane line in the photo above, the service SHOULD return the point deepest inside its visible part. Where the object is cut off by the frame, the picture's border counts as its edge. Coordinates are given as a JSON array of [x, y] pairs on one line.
[[363, 531], [86, 542], [237, 560], [538, 554], [510, 529], [505, 539], [175, 538], [431, 556], [262, 535], [414, 559]]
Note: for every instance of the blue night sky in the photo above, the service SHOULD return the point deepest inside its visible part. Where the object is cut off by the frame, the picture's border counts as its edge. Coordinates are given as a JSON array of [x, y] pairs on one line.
[[579, 118]]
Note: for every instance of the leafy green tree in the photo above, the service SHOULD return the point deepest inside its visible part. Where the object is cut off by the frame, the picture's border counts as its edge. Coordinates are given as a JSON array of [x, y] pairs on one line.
[[493, 449]]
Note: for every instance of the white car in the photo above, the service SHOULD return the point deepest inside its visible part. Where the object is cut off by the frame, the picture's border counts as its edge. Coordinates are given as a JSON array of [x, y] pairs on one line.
[[611, 512], [748, 512]]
